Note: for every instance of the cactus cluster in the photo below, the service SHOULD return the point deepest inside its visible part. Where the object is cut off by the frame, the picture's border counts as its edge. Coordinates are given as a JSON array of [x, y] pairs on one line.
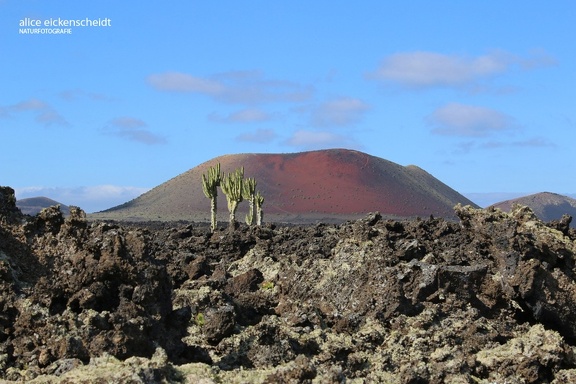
[[259, 200], [236, 188], [248, 192], [210, 184], [232, 186]]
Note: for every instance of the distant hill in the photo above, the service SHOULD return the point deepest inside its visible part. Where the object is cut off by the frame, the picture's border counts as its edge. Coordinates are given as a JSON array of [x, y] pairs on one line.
[[331, 185], [33, 205], [547, 206]]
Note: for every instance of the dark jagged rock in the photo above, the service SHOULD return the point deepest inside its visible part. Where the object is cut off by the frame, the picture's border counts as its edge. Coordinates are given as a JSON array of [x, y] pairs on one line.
[[9, 213], [490, 298]]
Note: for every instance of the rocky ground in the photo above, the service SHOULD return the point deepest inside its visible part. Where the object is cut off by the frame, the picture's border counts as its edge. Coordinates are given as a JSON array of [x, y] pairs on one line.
[[489, 298]]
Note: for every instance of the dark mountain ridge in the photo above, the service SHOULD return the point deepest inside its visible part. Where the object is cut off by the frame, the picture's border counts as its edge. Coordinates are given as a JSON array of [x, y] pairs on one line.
[[33, 205], [546, 206]]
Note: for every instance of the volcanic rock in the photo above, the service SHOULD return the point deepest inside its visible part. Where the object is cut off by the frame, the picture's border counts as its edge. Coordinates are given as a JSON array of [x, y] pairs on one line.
[[8, 210], [488, 298]]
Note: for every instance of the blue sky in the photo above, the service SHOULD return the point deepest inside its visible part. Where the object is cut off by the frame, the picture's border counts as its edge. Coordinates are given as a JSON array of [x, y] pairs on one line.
[[480, 94]]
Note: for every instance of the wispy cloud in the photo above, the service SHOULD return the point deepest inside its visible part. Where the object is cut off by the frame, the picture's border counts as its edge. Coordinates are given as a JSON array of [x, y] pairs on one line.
[[91, 198], [259, 136], [30, 105], [45, 113], [339, 112], [50, 117], [133, 129], [238, 87], [128, 123], [535, 142], [538, 59], [422, 69], [471, 121], [249, 115], [183, 82], [320, 140]]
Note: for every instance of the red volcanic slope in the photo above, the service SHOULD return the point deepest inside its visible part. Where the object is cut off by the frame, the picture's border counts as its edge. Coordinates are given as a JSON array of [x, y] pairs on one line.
[[299, 186]]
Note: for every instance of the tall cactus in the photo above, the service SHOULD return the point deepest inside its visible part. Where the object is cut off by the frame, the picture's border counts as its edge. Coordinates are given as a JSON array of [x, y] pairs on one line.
[[232, 186], [259, 200], [210, 185], [248, 190]]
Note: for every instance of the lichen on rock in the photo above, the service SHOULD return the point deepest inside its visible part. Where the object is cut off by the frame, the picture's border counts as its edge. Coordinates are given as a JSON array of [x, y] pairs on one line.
[[490, 298]]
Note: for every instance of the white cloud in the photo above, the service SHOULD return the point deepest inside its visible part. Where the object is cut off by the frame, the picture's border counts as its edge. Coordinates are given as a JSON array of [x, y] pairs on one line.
[[133, 129], [141, 136], [183, 82], [238, 87], [423, 69], [91, 199], [45, 114], [537, 59], [30, 105], [467, 120], [128, 122], [320, 140], [259, 136], [249, 115], [338, 112], [49, 117]]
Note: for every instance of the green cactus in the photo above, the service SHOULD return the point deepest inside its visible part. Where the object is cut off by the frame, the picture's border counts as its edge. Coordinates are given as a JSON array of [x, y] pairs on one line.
[[249, 218], [232, 187], [259, 200], [210, 184], [248, 190]]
